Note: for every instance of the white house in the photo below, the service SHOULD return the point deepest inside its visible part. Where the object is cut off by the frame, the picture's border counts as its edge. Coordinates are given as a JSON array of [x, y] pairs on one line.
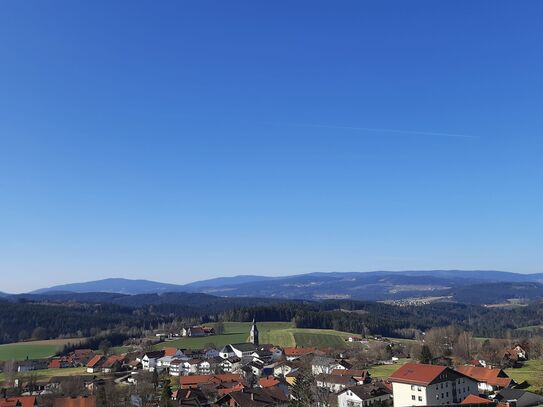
[[176, 367], [238, 349], [231, 364], [334, 383], [321, 364], [204, 367], [489, 379], [422, 385], [364, 396], [283, 368], [191, 366], [149, 360]]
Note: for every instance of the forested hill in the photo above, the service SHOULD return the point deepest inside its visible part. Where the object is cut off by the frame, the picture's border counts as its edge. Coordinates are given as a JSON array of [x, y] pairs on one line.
[[63, 316]]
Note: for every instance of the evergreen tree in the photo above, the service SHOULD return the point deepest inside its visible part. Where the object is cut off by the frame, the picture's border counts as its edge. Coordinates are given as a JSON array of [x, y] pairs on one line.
[[425, 354], [166, 395], [302, 396]]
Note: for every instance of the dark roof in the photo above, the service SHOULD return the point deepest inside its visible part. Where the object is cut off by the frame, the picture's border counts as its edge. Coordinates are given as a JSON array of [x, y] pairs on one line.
[[368, 391], [244, 347], [155, 354], [528, 398], [335, 379]]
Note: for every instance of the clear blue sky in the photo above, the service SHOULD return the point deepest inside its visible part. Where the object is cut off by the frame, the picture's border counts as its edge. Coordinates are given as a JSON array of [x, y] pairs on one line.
[[178, 141]]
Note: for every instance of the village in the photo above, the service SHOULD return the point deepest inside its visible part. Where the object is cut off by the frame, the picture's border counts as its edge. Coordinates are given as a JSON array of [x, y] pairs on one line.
[[254, 374]]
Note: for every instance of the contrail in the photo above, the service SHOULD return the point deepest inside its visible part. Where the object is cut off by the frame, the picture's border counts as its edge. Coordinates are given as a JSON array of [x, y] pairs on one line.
[[398, 131]]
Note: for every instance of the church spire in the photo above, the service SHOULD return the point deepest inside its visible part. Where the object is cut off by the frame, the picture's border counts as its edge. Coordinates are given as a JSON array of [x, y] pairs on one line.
[[253, 337]]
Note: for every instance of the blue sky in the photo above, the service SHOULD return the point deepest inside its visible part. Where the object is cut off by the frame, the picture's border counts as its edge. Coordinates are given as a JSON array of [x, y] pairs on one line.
[[178, 141]]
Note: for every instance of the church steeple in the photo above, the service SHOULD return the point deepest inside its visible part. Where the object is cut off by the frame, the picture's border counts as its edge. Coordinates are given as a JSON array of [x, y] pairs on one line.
[[253, 338]]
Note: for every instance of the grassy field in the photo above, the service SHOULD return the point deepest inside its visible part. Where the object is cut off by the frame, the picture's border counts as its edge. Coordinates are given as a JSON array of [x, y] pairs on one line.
[[277, 333], [34, 349], [532, 372], [384, 371], [46, 374], [319, 338], [237, 332]]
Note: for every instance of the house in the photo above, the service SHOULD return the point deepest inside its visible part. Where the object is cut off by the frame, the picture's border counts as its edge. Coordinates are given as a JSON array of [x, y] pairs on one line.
[[284, 368], [195, 381], [189, 397], [515, 354], [254, 398], [361, 376], [208, 330], [191, 365], [321, 364], [210, 353], [334, 383], [256, 367], [20, 401], [81, 401], [196, 331], [422, 385], [204, 367], [231, 364], [238, 349], [30, 365], [58, 363], [521, 398], [176, 367], [489, 379], [149, 360], [95, 364], [364, 395], [169, 351], [270, 381], [113, 363], [473, 399], [297, 353]]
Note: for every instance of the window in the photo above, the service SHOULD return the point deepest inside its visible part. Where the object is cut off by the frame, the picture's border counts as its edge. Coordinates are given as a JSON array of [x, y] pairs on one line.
[[413, 387], [420, 398], [419, 388], [437, 396], [442, 395], [413, 397], [447, 394]]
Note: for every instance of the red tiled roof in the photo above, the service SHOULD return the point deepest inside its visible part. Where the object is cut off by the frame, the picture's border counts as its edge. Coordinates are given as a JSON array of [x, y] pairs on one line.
[[490, 376], [195, 380], [414, 373], [54, 364], [473, 399], [170, 351], [89, 401], [95, 361], [24, 401], [111, 360], [268, 381], [298, 351]]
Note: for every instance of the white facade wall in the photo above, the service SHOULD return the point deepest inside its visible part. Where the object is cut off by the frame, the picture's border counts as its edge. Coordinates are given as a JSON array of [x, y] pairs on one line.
[[349, 399], [434, 394]]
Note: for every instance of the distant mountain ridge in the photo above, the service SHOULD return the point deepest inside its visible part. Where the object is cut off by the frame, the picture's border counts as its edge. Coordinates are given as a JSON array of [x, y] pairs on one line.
[[113, 285], [372, 286]]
